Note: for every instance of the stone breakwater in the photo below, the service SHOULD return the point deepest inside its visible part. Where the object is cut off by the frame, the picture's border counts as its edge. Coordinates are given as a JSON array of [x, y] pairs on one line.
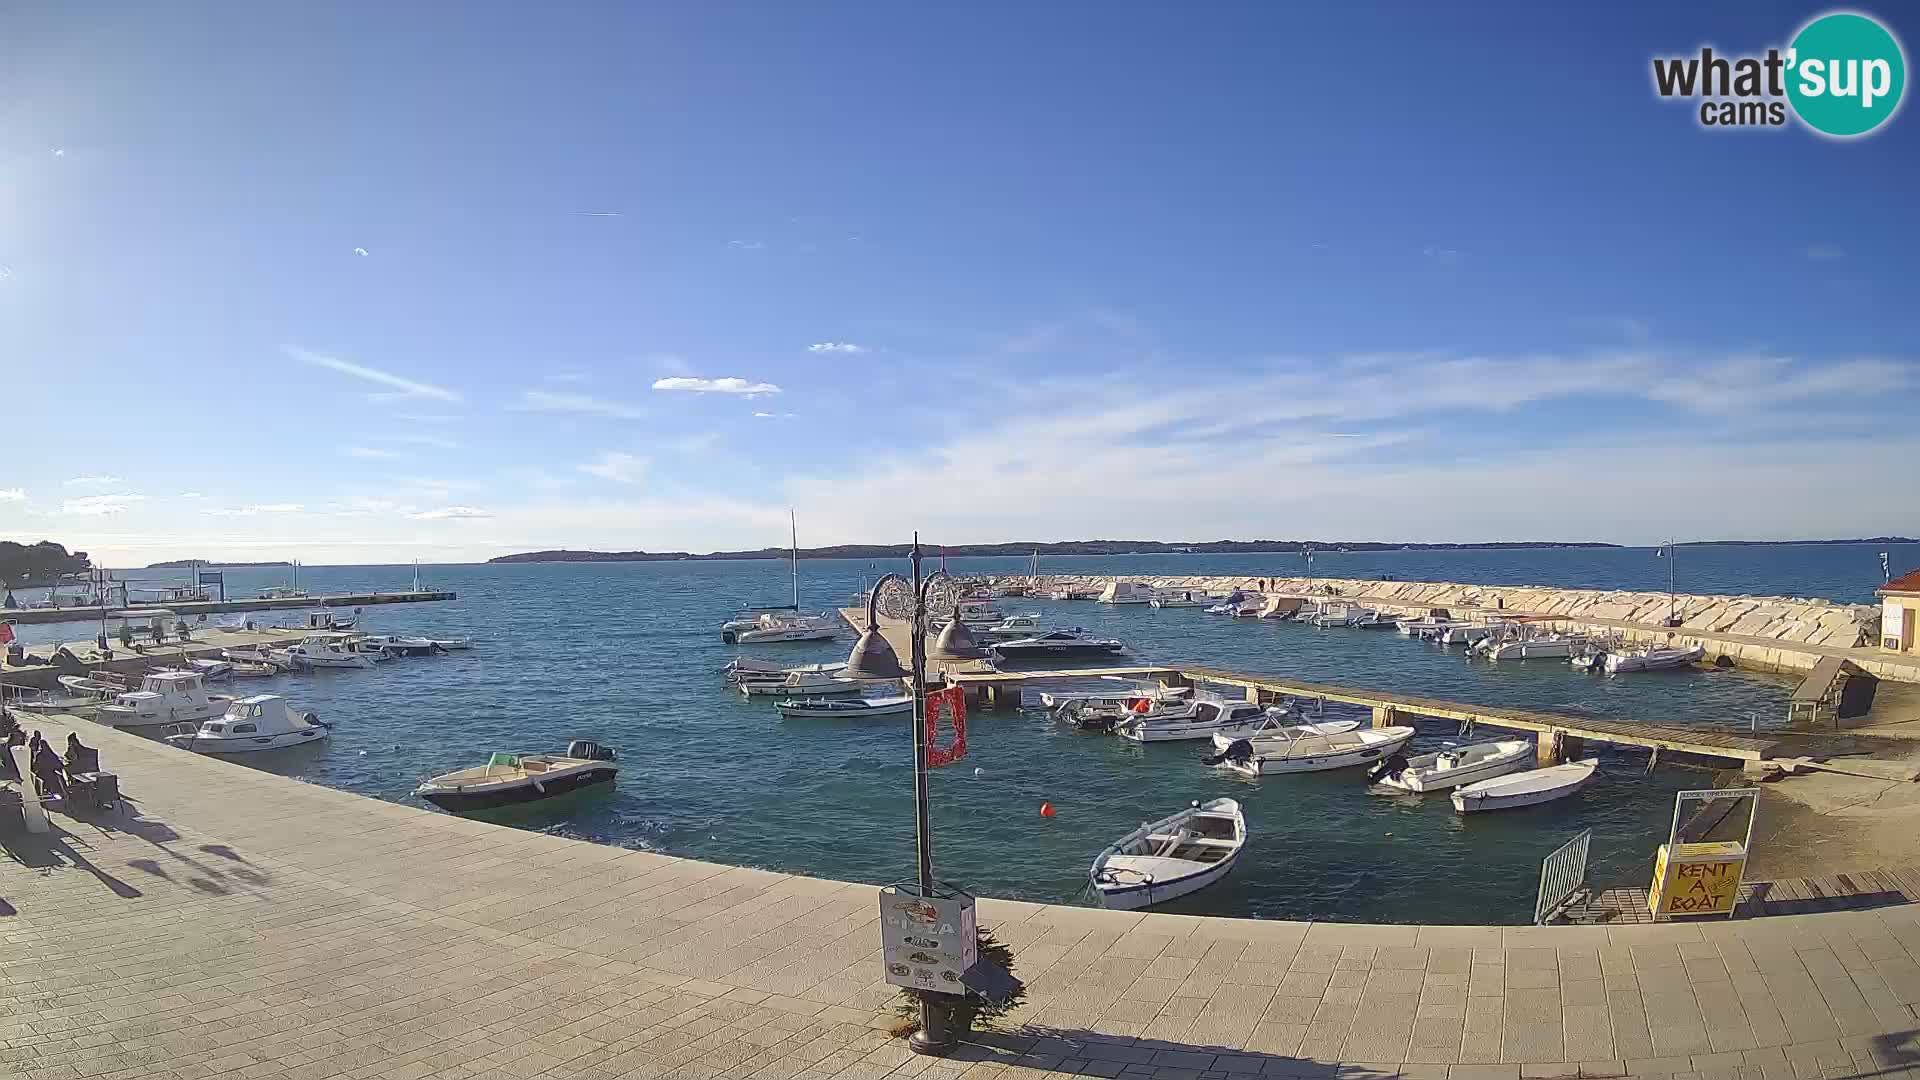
[[1773, 633]]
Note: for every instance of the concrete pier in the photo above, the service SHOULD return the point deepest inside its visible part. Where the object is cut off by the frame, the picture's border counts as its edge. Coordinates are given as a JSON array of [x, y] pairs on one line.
[[230, 922], [26, 616]]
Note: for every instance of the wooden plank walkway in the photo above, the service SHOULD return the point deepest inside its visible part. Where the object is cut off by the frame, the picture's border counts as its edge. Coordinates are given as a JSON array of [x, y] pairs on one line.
[[1855, 890]]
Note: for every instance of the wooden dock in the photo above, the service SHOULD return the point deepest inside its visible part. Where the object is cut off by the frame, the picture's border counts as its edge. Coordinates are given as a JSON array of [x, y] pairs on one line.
[[1855, 890], [25, 616]]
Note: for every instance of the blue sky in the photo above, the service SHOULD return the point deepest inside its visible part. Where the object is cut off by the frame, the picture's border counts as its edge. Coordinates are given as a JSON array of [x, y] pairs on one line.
[[360, 283]]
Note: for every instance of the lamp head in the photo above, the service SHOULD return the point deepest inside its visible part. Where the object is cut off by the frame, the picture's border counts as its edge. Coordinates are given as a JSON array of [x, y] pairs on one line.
[[873, 658], [956, 642]]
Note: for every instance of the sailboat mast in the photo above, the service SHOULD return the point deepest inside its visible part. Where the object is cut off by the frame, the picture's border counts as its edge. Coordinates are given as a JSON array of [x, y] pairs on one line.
[[793, 527]]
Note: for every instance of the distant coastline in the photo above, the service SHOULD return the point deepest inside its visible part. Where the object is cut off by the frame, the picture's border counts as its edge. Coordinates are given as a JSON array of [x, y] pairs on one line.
[[1072, 547], [1124, 547], [208, 564]]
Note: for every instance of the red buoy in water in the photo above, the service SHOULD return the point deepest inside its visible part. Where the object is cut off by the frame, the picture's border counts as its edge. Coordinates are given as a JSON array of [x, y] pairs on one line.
[[1046, 809]]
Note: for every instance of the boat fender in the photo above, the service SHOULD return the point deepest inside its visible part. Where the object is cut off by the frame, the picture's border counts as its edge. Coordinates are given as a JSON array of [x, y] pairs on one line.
[[539, 787]]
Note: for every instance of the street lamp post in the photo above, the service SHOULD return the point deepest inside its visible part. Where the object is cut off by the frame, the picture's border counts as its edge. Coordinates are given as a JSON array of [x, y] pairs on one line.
[[873, 658]]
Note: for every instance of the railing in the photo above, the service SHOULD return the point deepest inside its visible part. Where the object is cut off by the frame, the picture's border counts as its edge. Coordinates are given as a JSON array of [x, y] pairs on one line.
[[1562, 874]]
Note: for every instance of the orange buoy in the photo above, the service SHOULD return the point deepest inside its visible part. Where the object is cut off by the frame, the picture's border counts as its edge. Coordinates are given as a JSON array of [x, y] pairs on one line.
[[1046, 809]]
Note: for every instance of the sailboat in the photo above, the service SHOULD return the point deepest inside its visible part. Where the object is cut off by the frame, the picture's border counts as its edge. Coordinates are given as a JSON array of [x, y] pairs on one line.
[[760, 625]]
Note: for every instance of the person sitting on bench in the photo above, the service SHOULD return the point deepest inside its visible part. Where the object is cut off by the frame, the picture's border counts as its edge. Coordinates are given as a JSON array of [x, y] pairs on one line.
[[47, 769], [81, 758]]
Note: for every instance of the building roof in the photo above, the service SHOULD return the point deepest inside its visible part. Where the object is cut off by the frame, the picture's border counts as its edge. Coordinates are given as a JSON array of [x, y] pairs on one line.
[[1906, 583]]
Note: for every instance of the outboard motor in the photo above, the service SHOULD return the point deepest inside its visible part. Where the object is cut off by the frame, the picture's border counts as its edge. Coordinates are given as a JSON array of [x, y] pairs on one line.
[[1239, 751], [588, 750], [1392, 765]]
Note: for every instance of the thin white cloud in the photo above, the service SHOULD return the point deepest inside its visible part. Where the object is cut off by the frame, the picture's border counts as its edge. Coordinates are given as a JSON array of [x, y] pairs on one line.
[[1825, 252], [274, 508], [728, 385], [58, 152], [438, 442], [550, 401], [772, 416], [617, 467], [371, 452], [746, 245], [12, 495], [599, 213], [190, 495], [360, 251], [92, 481], [100, 505], [406, 388], [836, 347], [449, 513]]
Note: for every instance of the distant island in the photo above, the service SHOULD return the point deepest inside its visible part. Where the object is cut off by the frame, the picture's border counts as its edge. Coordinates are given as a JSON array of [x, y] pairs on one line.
[[26, 565], [1797, 543], [1071, 547], [182, 564]]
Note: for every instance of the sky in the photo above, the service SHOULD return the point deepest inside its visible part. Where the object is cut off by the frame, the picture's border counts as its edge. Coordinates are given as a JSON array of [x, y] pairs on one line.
[[358, 283]]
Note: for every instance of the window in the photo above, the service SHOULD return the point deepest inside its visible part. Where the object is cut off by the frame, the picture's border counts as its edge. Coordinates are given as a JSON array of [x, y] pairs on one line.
[[245, 729]]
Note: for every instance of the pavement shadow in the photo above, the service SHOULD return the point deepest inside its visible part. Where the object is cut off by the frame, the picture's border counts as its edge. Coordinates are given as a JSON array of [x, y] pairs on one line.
[[1043, 1049], [54, 850], [221, 879]]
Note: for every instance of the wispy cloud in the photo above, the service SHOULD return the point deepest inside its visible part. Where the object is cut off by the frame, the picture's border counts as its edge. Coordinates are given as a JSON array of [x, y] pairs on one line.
[[58, 152], [100, 505], [836, 346], [438, 442], [190, 495], [12, 495], [772, 416], [360, 251], [1825, 252], [565, 377], [406, 388], [728, 385], [746, 245], [92, 481], [370, 452], [599, 213], [550, 401], [448, 513], [619, 468]]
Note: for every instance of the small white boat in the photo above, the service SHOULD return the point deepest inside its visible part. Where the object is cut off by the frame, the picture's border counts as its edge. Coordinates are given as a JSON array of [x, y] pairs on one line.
[[845, 708], [1277, 728], [741, 667], [1126, 592], [774, 628], [81, 686], [262, 722], [214, 670], [1528, 647], [1250, 609], [1202, 718], [397, 645], [1465, 633], [164, 698], [1525, 788], [1176, 600], [452, 644], [1369, 619], [319, 652], [1657, 658], [258, 655], [1453, 766], [1170, 858], [801, 684], [516, 779], [247, 669], [1314, 753], [1013, 626]]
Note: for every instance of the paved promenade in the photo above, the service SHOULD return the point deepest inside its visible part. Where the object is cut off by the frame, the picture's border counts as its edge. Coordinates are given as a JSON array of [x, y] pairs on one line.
[[234, 923]]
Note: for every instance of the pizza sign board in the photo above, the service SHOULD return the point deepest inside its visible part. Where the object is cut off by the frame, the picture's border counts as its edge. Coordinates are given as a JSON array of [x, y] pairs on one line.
[[927, 943]]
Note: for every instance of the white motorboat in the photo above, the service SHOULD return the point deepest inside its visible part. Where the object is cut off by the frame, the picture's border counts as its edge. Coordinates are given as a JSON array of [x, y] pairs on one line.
[[1369, 619], [1527, 645], [1013, 626], [1465, 633], [1201, 718], [164, 698], [516, 779], [1056, 644], [1314, 753], [261, 722], [323, 652], [1453, 766], [1655, 658], [81, 686], [1277, 728], [1250, 609], [1525, 788], [214, 670], [1429, 628], [977, 613], [745, 667], [453, 644], [234, 624], [1231, 602], [802, 684], [1177, 855], [1172, 599], [845, 708], [770, 627], [258, 655], [247, 669], [398, 645]]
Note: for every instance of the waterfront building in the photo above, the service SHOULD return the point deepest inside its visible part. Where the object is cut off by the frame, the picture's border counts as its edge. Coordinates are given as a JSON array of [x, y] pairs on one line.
[[1899, 612]]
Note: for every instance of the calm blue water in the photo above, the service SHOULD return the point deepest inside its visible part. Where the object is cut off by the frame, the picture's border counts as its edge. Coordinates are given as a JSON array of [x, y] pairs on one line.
[[629, 654]]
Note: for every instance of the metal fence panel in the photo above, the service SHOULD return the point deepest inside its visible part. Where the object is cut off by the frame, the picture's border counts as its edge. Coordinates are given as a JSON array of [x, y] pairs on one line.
[[1561, 875]]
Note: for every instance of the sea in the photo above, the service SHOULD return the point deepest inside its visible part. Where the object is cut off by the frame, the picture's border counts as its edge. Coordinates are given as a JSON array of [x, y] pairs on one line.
[[629, 654]]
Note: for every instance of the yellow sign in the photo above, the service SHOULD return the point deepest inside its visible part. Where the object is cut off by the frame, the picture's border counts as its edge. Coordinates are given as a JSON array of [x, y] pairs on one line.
[[1697, 879]]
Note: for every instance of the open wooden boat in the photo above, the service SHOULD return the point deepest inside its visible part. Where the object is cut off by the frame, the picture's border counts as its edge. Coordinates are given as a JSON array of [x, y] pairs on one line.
[[1453, 766], [845, 708], [1177, 855], [1526, 788], [517, 779], [1314, 753]]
